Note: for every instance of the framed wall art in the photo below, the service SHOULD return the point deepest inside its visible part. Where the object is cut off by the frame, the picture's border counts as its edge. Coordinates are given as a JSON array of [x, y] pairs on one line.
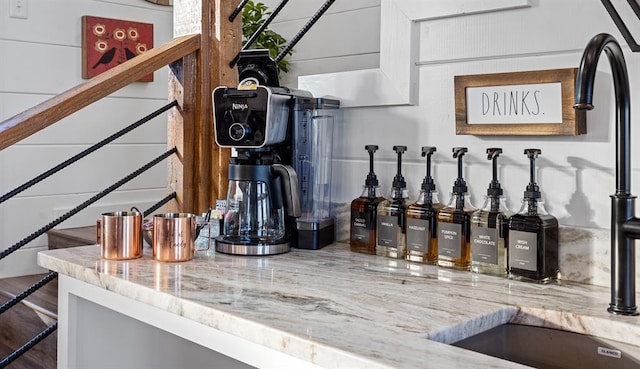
[[108, 42], [530, 103]]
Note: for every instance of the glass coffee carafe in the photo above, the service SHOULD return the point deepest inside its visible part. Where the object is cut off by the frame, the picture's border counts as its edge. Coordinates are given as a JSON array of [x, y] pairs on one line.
[[259, 200], [250, 216]]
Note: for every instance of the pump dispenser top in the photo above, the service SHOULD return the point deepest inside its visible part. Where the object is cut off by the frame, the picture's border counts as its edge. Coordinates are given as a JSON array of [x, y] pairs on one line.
[[495, 190], [428, 185], [532, 191], [399, 184], [372, 179], [460, 186]]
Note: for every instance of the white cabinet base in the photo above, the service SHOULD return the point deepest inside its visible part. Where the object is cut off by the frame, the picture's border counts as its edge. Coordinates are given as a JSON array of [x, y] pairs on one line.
[[101, 329]]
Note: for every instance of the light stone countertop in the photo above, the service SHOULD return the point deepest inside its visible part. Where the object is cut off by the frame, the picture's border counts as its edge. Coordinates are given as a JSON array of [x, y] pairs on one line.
[[336, 308]]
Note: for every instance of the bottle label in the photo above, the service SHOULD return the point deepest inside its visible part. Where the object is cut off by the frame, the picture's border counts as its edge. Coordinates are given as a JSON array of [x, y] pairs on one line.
[[484, 245], [523, 250], [387, 230], [418, 235], [360, 226], [450, 240]]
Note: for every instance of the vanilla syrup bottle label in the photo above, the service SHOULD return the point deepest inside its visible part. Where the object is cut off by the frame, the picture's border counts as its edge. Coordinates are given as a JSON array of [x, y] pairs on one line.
[[387, 231], [418, 235]]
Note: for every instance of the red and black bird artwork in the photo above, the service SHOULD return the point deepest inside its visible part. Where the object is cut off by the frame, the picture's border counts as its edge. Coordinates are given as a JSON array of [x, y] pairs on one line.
[[111, 42]]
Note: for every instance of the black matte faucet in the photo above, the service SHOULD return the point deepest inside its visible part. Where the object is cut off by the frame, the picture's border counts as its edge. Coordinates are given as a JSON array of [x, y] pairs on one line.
[[625, 227]]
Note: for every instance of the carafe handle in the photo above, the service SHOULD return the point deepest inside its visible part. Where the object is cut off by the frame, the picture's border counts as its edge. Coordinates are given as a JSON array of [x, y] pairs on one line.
[[290, 184]]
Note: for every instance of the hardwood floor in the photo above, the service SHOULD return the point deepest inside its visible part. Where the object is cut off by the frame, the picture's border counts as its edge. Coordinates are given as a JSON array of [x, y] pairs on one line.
[[21, 323]]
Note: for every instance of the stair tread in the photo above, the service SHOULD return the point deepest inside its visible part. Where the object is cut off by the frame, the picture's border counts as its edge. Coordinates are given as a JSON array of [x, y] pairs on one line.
[[46, 297], [70, 237], [20, 323]]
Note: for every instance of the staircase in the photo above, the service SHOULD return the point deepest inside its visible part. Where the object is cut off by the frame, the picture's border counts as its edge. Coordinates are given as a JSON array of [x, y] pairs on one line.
[[28, 318]]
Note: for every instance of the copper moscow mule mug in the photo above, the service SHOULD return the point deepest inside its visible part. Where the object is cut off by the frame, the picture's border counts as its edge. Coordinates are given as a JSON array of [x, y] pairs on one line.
[[174, 236], [120, 235]]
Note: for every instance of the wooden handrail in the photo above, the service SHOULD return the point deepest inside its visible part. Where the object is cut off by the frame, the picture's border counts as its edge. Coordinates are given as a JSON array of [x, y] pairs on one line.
[[66, 103]]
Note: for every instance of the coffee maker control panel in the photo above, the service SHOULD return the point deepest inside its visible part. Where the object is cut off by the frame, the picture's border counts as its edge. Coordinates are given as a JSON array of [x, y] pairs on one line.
[[250, 118]]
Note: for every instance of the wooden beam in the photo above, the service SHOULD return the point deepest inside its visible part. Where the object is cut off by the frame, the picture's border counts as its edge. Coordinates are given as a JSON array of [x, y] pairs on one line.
[[226, 45], [202, 165]]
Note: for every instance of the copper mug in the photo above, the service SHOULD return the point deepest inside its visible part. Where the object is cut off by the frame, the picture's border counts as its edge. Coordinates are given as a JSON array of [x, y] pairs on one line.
[[119, 235], [174, 236]]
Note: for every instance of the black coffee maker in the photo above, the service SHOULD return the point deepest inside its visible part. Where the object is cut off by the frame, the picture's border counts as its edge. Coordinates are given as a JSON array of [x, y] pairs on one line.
[[280, 177], [263, 186]]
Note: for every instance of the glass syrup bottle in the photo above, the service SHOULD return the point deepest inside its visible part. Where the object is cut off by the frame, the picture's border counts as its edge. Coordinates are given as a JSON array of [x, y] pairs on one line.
[[454, 223], [364, 211], [391, 212], [422, 239], [489, 226], [533, 235]]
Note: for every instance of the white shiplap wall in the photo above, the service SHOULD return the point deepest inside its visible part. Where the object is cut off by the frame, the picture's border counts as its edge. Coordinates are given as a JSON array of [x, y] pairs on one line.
[[547, 34], [575, 173], [41, 56]]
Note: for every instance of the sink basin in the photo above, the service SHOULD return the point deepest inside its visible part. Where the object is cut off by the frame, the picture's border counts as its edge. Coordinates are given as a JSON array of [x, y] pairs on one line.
[[552, 348]]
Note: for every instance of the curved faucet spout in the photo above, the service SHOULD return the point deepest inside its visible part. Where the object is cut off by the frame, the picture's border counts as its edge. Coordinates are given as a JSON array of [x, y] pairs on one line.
[[584, 97], [625, 227]]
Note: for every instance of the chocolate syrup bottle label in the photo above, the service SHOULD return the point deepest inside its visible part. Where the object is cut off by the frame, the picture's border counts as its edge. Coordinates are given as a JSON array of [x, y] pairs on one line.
[[484, 245], [523, 248], [360, 226], [449, 240], [418, 235], [387, 230]]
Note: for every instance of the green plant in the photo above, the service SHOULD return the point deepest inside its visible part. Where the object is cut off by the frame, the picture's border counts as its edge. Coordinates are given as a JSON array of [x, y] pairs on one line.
[[253, 15]]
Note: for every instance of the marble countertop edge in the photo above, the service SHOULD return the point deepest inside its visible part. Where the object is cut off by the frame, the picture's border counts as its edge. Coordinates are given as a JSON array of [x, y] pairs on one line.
[[301, 347], [528, 304]]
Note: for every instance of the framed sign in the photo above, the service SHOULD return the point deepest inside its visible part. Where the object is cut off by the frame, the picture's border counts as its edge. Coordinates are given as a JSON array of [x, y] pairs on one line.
[[531, 103]]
